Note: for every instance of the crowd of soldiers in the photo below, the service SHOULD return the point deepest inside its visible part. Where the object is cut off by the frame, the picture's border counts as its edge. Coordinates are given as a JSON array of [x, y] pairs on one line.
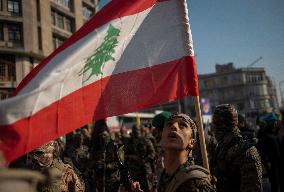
[[163, 156]]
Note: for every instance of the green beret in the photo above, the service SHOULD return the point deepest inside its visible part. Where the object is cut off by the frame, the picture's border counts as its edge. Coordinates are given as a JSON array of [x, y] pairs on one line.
[[159, 120]]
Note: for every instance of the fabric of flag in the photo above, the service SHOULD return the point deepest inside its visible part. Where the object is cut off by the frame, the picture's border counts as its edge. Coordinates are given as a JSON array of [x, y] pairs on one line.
[[131, 55]]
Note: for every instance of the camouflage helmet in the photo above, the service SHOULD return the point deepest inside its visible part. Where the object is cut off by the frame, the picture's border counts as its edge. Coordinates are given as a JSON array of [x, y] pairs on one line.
[[225, 115], [50, 147], [187, 119]]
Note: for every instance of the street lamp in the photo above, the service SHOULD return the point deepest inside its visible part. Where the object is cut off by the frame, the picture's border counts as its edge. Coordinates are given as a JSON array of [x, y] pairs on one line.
[[281, 93]]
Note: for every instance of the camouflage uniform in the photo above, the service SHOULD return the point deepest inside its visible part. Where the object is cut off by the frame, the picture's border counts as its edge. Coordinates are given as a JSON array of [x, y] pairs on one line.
[[236, 162], [104, 157], [139, 157], [188, 178], [78, 155], [106, 165], [68, 180]]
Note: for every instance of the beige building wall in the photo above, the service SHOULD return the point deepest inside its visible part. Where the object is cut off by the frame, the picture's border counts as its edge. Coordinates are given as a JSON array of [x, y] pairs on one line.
[[45, 26], [78, 14], [29, 26]]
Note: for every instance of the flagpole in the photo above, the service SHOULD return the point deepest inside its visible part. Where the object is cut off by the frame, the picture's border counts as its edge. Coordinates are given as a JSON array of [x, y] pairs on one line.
[[201, 132], [189, 48]]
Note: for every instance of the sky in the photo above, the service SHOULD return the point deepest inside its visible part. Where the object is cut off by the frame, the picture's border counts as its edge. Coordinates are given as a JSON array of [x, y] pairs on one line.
[[238, 31]]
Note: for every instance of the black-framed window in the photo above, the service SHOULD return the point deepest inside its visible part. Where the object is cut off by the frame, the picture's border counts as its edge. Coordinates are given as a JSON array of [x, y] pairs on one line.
[[15, 33], [14, 7]]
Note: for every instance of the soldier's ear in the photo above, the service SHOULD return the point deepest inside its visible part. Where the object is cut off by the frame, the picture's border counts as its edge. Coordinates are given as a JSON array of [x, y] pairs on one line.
[[190, 144]]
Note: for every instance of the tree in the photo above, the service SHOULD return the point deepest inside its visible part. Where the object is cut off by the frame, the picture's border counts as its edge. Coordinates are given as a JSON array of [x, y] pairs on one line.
[[102, 54]]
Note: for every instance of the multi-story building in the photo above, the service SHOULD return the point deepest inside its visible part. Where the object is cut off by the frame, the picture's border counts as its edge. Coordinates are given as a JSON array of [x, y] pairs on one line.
[[250, 89], [31, 29]]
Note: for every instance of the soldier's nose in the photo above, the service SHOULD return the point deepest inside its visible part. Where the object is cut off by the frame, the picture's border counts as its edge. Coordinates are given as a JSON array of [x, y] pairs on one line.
[[174, 126]]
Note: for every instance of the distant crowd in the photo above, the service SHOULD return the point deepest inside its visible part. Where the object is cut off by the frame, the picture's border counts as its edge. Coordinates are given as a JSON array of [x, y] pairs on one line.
[[161, 156]]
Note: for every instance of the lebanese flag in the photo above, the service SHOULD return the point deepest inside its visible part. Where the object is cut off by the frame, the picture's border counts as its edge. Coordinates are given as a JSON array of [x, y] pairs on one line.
[[131, 55]]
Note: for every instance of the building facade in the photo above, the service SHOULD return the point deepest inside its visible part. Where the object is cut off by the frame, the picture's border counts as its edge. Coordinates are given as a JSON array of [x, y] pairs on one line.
[[31, 29], [249, 89]]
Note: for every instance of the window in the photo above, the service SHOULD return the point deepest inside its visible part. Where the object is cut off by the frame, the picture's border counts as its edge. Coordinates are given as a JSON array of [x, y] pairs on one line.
[[14, 33], [1, 5], [59, 21], [39, 38], [14, 7], [87, 12], [53, 20], [38, 10], [57, 41], [68, 23], [67, 4], [7, 68], [54, 43], [1, 31], [62, 21], [5, 94], [64, 3]]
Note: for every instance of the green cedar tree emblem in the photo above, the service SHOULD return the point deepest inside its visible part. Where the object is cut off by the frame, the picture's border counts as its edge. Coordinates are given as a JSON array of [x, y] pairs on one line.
[[102, 54]]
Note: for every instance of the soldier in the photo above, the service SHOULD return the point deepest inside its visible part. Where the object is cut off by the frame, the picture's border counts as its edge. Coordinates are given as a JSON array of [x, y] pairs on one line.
[[236, 163], [178, 139], [246, 132], [45, 159], [104, 157], [80, 158], [139, 158], [269, 148]]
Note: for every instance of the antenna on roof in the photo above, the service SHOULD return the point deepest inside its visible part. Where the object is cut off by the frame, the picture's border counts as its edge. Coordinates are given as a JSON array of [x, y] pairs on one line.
[[255, 61]]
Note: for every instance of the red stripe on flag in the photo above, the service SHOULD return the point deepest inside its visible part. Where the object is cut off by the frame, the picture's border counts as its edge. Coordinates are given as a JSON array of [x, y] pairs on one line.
[[113, 10], [113, 95]]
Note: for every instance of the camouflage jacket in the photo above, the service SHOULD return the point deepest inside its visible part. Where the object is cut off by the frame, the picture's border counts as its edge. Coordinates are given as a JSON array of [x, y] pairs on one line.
[[139, 159], [237, 166], [106, 170], [188, 178]]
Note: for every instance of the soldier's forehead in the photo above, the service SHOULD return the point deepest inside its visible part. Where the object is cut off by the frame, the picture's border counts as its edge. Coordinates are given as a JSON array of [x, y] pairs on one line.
[[178, 119]]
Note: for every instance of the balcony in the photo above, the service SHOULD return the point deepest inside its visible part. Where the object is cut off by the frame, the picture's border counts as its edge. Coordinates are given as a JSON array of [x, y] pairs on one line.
[[8, 83], [11, 44]]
